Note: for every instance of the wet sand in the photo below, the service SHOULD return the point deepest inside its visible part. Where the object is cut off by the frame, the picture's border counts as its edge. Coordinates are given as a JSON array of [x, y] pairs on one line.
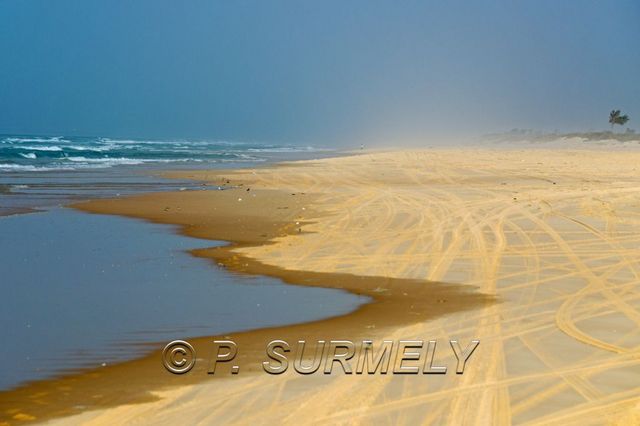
[[261, 217]]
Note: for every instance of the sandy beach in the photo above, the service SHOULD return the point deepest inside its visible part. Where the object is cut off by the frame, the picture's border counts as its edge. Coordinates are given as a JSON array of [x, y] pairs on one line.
[[351, 213], [532, 251]]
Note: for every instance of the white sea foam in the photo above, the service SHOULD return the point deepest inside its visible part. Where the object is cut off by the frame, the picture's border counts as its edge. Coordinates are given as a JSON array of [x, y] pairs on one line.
[[35, 139], [287, 149], [58, 153], [105, 160], [90, 148], [17, 187], [40, 148], [30, 168]]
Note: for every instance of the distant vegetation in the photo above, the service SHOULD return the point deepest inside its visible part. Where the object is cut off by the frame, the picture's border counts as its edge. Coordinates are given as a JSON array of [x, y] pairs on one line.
[[615, 117], [516, 135]]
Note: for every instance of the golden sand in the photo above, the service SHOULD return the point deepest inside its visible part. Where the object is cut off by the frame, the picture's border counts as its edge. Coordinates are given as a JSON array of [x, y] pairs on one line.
[[246, 219], [552, 234]]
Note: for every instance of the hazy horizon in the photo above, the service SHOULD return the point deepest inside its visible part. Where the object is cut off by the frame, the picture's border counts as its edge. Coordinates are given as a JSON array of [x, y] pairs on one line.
[[328, 74]]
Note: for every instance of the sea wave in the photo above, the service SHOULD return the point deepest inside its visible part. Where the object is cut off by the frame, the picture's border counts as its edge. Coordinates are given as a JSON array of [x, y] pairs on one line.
[[33, 139], [54, 148], [90, 148], [287, 149], [30, 168], [122, 160], [40, 153]]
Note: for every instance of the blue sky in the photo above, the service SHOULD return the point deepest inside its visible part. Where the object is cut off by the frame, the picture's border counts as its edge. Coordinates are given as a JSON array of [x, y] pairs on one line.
[[327, 72]]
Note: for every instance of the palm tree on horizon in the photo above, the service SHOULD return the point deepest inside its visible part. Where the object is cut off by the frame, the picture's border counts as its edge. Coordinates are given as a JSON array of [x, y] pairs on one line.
[[615, 117]]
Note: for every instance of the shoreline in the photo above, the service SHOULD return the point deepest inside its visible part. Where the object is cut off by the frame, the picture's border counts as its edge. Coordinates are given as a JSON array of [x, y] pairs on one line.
[[551, 234], [252, 225]]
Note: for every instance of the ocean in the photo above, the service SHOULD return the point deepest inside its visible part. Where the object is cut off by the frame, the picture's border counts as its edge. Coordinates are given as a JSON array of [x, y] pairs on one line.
[[45, 171], [81, 291], [46, 153]]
